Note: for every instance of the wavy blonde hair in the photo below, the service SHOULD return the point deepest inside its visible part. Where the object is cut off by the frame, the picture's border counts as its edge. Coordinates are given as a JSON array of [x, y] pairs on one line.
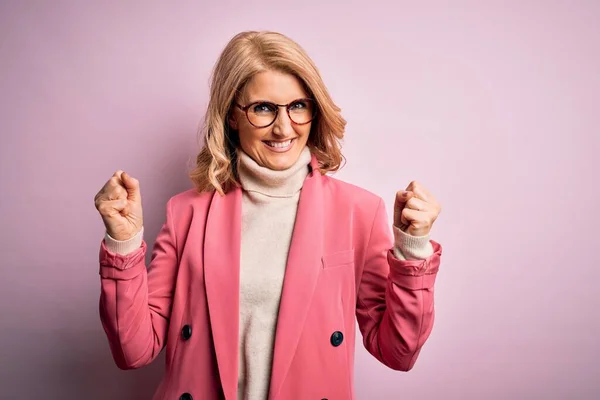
[[247, 54]]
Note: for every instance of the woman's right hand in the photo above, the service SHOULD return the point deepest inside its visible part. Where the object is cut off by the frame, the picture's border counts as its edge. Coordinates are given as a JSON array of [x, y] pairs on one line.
[[120, 205]]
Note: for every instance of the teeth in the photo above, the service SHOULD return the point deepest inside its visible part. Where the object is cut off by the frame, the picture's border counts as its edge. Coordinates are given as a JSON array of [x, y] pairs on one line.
[[280, 144]]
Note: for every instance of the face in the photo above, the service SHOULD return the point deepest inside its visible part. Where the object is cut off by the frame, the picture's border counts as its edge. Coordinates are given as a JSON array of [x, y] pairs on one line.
[[279, 145]]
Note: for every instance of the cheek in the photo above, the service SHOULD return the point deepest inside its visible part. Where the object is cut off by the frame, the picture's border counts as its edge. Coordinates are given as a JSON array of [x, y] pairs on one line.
[[249, 134], [304, 130], [244, 129]]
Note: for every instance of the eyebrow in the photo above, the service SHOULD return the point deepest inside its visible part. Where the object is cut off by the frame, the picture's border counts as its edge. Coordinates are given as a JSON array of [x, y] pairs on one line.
[[250, 101]]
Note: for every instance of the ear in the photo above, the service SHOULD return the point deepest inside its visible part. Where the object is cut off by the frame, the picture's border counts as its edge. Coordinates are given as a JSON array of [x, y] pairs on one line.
[[232, 120]]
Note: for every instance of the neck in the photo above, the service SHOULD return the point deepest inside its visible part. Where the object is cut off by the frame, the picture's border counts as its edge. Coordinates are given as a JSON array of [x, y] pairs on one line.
[[272, 183]]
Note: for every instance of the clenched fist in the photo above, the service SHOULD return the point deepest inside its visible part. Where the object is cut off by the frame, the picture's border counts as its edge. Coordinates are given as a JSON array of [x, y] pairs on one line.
[[120, 205], [415, 210]]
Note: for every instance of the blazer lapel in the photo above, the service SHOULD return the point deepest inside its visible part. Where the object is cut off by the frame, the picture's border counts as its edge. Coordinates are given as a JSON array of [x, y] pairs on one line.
[[222, 243], [302, 272]]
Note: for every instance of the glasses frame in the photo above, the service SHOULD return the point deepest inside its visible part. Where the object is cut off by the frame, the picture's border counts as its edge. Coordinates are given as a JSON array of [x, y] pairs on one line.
[[278, 106]]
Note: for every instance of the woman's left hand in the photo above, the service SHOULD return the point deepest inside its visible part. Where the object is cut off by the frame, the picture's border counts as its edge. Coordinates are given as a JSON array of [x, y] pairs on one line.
[[415, 210]]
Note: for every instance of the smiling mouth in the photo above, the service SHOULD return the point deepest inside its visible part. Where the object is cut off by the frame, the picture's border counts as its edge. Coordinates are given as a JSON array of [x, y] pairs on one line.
[[279, 144]]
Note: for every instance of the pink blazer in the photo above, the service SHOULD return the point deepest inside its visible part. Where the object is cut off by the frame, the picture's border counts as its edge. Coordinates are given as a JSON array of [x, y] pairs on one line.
[[340, 265]]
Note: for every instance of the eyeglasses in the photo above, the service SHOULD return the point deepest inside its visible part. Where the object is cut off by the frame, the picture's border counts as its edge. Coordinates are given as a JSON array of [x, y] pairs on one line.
[[263, 113]]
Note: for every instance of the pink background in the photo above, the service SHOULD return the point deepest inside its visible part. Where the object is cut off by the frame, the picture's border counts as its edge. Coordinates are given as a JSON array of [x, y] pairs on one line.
[[494, 106]]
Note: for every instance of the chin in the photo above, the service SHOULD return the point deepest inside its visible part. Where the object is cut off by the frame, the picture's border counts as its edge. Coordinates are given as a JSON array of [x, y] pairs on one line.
[[280, 165]]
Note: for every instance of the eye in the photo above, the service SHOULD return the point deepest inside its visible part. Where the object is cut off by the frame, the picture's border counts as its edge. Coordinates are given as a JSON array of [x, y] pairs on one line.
[[298, 105], [263, 108]]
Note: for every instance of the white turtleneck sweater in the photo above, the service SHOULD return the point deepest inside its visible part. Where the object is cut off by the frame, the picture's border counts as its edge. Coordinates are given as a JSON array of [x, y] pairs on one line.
[[269, 204]]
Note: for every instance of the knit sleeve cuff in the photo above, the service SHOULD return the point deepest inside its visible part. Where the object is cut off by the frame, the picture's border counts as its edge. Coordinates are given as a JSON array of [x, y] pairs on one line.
[[124, 247], [408, 247]]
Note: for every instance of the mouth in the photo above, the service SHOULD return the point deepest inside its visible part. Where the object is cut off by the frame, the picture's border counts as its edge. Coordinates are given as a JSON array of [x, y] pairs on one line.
[[279, 145]]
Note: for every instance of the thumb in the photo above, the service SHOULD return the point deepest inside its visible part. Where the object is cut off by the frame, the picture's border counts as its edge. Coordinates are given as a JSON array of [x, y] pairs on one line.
[[402, 198], [132, 186]]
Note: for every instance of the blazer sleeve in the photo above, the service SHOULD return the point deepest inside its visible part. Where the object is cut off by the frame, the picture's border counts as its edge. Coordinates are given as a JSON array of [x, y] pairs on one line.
[[395, 308], [135, 301]]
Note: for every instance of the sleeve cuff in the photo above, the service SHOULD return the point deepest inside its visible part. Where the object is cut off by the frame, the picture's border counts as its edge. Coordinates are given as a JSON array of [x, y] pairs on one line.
[[408, 247], [121, 267], [124, 247], [416, 274]]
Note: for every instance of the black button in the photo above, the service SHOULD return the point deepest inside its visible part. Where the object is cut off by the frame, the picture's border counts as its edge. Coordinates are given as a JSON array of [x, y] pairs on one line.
[[186, 396], [337, 338], [186, 333]]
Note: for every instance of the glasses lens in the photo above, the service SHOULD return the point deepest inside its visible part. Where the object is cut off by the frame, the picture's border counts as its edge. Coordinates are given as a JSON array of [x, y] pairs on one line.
[[302, 111], [262, 114]]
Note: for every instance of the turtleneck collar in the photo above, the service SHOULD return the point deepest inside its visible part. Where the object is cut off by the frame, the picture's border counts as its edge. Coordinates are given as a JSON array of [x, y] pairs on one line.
[[285, 183]]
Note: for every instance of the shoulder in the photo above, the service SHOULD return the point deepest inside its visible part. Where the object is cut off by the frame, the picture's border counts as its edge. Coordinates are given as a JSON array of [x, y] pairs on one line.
[[186, 202], [341, 192], [190, 196]]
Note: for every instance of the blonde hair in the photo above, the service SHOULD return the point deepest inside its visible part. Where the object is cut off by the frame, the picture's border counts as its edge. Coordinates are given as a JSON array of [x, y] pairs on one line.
[[247, 54]]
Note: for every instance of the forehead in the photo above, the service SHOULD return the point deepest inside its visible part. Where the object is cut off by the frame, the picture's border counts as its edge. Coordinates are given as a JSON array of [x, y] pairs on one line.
[[276, 86]]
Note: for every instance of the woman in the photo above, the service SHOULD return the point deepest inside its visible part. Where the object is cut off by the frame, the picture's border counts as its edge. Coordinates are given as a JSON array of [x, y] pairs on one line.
[[259, 271]]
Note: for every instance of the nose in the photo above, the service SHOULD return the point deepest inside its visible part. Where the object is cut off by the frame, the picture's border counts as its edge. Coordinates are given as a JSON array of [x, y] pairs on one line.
[[283, 124]]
